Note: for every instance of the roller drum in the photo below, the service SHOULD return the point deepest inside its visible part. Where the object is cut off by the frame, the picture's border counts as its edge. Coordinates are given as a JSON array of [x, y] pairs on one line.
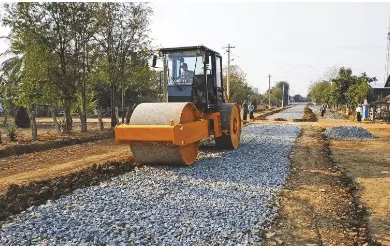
[[231, 124], [163, 114]]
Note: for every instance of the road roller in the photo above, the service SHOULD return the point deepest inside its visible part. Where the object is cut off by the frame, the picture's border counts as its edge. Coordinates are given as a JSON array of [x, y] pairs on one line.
[[194, 108]]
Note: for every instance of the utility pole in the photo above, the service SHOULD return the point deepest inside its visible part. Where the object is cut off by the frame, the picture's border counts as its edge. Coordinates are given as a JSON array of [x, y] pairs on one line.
[[283, 96], [288, 95], [228, 68], [269, 91], [387, 64]]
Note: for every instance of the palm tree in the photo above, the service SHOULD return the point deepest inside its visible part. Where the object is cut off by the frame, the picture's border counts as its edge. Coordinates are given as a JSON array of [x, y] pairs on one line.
[[10, 74]]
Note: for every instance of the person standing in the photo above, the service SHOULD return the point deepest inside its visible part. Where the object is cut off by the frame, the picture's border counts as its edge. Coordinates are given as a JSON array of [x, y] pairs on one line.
[[323, 110], [245, 109], [359, 112], [251, 111]]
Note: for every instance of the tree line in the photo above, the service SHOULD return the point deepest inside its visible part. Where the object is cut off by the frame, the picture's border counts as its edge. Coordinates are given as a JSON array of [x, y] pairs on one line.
[[78, 57], [240, 90], [277, 94], [341, 88], [84, 57]]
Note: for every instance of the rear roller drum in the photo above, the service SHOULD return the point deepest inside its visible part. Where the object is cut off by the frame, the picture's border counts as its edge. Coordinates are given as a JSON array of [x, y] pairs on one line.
[[231, 122]]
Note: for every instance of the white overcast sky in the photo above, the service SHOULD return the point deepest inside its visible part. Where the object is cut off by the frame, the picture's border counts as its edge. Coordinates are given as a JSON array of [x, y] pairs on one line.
[[295, 42]]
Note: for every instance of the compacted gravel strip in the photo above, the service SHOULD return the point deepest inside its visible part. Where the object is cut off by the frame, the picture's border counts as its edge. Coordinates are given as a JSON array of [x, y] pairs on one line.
[[226, 198], [328, 114], [347, 132], [295, 112]]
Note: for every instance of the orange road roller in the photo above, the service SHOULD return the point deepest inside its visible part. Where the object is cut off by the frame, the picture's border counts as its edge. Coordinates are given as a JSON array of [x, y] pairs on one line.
[[194, 109]]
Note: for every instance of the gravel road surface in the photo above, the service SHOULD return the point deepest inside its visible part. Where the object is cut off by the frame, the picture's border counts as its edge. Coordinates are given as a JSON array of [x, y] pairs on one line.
[[295, 112], [328, 114], [226, 198]]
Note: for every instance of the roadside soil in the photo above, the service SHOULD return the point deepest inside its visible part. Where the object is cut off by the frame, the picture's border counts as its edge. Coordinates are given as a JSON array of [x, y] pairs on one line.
[[318, 206], [368, 163], [47, 132], [22, 169]]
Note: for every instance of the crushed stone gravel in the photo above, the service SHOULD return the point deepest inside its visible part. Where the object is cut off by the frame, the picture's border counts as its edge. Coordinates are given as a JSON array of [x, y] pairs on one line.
[[347, 132], [328, 114], [295, 112], [224, 198]]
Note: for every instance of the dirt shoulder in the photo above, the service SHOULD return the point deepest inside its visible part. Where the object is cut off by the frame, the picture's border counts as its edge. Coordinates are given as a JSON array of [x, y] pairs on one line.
[[34, 178], [318, 206], [368, 163], [22, 169]]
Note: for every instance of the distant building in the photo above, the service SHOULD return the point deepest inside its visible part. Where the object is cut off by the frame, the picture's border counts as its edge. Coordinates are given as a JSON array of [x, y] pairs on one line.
[[378, 94], [387, 84]]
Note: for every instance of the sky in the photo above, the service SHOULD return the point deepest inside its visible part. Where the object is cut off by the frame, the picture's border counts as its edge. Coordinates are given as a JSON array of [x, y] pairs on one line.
[[294, 42]]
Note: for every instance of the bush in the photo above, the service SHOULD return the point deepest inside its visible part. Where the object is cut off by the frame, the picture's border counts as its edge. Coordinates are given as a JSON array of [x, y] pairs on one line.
[[12, 131], [22, 120]]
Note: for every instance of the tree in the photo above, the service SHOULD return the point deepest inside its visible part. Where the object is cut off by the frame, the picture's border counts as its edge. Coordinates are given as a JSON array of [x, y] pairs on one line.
[[277, 93], [47, 25], [34, 87], [359, 90], [330, 73], [9, 79], [123, 32], [299, 98], [318, 91], [345, 88], [84, 25], [239, 88]]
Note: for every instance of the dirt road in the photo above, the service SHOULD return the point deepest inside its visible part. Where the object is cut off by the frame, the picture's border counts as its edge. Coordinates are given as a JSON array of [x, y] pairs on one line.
[[22, 169], [317, 206], [368, 162]]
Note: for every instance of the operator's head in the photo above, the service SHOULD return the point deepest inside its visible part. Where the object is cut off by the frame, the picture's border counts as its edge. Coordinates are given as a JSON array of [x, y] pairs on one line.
[[185, 67]]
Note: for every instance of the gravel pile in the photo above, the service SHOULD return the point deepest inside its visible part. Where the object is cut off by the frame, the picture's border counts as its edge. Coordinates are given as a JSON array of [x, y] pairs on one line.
[[347, 132], [295, 112], [226, 198], [328, 114]]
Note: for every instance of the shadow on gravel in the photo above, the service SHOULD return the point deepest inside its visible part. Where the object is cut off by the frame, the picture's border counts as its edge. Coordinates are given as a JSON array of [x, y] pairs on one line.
[[19, 197]]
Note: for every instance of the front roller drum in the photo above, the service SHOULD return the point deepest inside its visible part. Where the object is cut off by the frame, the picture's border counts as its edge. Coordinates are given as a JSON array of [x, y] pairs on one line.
[[151, 153], [231, 126], [164, 152]]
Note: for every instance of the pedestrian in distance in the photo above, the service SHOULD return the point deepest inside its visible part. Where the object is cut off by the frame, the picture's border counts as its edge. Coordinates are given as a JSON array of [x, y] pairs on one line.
[[323, 110], [359, 112], [251, 111], [245, 109]]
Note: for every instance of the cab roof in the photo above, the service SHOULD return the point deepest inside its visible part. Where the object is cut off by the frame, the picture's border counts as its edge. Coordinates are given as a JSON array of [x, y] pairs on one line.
[[187, 48]]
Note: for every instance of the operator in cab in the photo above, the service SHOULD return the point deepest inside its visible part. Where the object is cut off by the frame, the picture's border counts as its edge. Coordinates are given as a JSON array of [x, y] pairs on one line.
[[186, 75]]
